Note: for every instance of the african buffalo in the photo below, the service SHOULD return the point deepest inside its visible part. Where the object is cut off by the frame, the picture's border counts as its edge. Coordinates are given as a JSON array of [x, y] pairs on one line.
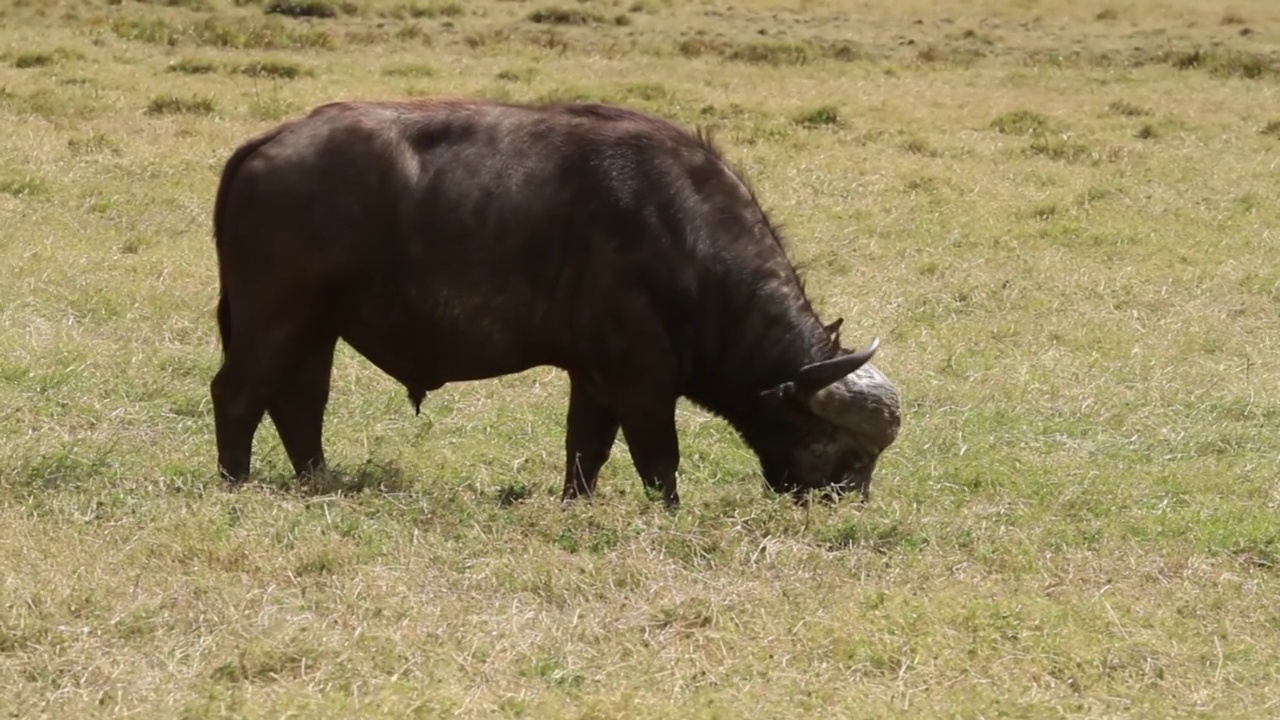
[[460, 239]]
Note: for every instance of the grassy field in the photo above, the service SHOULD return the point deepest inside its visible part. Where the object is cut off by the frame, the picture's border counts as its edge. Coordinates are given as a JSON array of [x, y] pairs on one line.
[[1059, 217]]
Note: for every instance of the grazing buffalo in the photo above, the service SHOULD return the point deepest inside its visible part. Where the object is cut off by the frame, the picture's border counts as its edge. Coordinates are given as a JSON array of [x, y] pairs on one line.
[[452, 239]]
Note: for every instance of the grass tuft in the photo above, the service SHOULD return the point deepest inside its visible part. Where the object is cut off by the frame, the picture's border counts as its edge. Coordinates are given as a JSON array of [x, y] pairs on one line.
[[225, 33], [950, 55], [1062, 148], [511, 494], [279, 69], [271, 108], [169, 104], [33, 60], [39, 59], [261, 663], [492, 37], [1127, 109], [1021, 122], [776, 52], [523, 75], [566, 16], [697, 47], [1147, 131], [26, 186], [918, 146], [93, 144], [1227, 63], [310, 8], [925, 185], [1044, 211], [410, 70], [821, 116], [189, 66], [429, 10], [772, 52], [649, 92], [198, 5], [875, 536]]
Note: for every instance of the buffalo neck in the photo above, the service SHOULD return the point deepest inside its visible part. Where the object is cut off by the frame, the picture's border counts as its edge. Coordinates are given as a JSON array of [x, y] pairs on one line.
[[765, 334]]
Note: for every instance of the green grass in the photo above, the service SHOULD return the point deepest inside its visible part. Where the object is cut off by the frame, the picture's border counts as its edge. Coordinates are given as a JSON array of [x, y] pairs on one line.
[[1058, 217]]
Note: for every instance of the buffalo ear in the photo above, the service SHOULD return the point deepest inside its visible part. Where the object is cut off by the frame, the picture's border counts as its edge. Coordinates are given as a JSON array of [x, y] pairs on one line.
[[833, 329]]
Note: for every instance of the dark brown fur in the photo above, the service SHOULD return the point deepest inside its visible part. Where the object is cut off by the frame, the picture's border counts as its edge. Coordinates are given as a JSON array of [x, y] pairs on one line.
[[451, 240]]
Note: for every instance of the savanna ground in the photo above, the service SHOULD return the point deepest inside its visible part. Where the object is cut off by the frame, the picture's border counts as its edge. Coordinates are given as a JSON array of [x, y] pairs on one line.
[[1059, 218]]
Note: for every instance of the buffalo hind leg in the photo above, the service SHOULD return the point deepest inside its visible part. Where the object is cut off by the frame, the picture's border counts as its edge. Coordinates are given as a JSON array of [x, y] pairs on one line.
[[237, 411], [590, 430], [297, 407], [649, 425], [262, 351]]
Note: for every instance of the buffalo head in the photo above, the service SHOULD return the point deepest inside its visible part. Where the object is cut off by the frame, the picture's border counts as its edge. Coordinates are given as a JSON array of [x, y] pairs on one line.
[[830, 423]]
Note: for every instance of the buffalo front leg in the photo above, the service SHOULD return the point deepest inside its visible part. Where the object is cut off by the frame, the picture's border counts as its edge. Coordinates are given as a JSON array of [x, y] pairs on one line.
[[590, 430], [298, 404], [649, 426]]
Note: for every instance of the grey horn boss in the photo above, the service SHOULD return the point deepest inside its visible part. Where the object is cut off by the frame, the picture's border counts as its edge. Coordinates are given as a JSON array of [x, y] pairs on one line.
[[448, 240]]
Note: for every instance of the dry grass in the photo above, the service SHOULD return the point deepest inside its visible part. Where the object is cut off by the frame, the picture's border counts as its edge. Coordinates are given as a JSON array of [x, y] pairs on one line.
[[1058, 217]]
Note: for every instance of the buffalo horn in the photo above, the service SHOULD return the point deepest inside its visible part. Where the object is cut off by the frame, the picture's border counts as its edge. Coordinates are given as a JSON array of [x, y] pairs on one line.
[[818, 375]]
